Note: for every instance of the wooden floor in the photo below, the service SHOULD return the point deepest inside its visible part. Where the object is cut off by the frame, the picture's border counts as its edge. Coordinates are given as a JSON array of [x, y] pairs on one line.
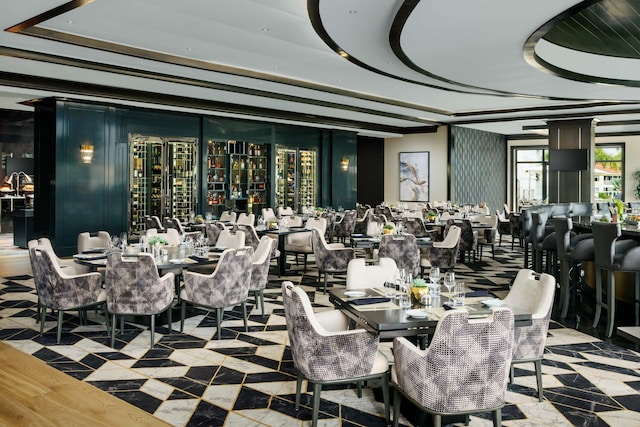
[[35, 394]]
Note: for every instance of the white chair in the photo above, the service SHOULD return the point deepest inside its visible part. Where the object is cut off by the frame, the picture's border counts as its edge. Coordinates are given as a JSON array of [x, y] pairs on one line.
[[230, 240], [86, 241], [535, 297], [325, 352], [300, 243], [293, 221], [285, 211], [362, 273], [171, 235], [228, 216], [442, 254], [246, 219], [269, 215], [68, 264], [487, 236]]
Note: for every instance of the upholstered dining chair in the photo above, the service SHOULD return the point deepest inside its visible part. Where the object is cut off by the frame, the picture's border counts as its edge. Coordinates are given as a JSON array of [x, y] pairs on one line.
[[230, 239], [362, 222], [228, 216], [331, 222], [87, 241], [415, 226], [246, 219], [325, 352], [67, 264], [330, 260], [251, 237], [487, 236], [62, 290], [516, 230], [468, 239], [300, 243], [260, 269], [152, 221], [212, 231], [533, 296], [285, 211], [134, 287], [504, 226], [463, 371], [403, 249], [443, 255], [269, 215], [170, 234], [344, 228], [364, 273], [227, 286]]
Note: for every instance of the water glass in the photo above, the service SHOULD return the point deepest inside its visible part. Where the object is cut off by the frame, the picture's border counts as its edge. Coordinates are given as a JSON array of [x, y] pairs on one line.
[[404, 298], [458, 294], [389, 289]]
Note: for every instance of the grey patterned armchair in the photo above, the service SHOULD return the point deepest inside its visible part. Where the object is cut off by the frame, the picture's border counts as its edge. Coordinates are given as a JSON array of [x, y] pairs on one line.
[[442, 254], [134, 286], [61, 291], [325, 352], [415, 226], [344, 228], [468, 239], [250, 236], [362, 222], [330, 260], [331, 223], [403, 249], [464, 370], [227, 286], [212, 231], [260, 269], [535, 297]]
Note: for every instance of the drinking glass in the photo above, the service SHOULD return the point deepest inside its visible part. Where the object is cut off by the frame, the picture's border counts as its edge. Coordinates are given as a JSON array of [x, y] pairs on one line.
[[434, 276], [449, 282], [458, 294], [404, 297]]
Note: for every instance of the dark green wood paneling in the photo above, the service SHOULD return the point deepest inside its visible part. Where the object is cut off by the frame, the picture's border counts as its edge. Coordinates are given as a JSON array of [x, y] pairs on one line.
[[344, 183], [163, 123], [370, 170]]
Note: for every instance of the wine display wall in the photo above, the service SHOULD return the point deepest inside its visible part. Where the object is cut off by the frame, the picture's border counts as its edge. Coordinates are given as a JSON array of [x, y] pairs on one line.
[[297, 178]]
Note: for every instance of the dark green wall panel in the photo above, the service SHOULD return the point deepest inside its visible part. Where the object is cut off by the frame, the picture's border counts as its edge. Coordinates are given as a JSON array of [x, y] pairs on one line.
[[344, 184]]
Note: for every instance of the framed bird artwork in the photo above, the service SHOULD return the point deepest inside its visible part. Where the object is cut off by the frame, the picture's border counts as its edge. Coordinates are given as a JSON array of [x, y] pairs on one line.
[[414, 176]]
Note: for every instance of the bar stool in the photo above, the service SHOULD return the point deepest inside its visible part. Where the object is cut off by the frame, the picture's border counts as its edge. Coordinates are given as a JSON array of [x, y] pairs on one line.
[[573, 250], [543, 242], [613, 255]]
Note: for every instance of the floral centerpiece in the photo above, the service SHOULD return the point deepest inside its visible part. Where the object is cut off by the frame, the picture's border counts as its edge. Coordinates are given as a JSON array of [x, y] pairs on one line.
[[387, 229], [157, 240], [619, 208]]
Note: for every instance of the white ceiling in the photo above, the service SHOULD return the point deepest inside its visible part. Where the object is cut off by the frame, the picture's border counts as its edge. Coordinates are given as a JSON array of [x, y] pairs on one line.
[[324, 63]]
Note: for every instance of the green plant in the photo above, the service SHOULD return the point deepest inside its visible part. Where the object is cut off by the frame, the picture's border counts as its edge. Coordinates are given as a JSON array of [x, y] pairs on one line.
[[157, 239], [388, 227], [620, 207], [419, 283]]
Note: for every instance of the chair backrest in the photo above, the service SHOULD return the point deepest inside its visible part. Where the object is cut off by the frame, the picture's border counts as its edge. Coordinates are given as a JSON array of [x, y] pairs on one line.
[[362, 273], [515, 226], [227, 285], [415, 226], [538, 224], [403, 250], [345, 227], [246, 219], [260, 263], [212, 231], [604, 241], [133, 285], [563, 227], [168, 223], [269, 215], [229, 239], [305, 333], [293, 221], [56, 288], [86, 241], [468, 239], [535, 297], [285, 211], [250, 235], [451, 240], [507, 211], [170, 234], [228, 216], [319, 224], [177, 224], [331, 222], [465, 367]]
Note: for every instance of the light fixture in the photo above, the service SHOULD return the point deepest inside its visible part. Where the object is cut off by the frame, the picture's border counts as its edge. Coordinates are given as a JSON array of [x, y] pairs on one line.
[[344, 163], [86, 153]]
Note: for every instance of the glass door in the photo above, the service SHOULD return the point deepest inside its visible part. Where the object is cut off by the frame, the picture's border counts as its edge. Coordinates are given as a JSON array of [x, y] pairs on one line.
[[308, 191], [297, 178]]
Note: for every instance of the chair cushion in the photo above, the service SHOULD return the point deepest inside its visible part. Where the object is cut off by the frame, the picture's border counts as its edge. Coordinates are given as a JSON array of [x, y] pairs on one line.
[[380, 364]]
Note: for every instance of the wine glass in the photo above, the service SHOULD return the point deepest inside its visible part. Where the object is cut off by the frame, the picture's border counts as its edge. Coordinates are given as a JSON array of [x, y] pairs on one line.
[[434, 276], [449, 282]]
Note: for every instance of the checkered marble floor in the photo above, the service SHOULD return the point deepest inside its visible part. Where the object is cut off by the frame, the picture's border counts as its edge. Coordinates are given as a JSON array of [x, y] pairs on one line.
[[247, 379]]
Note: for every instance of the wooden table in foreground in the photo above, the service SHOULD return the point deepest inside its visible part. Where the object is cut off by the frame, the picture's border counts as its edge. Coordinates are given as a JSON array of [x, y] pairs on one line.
[[35, 394]]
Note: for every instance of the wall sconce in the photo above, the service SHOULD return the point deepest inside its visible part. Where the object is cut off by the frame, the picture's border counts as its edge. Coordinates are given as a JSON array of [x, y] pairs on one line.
[[86, 153], [344, 163]]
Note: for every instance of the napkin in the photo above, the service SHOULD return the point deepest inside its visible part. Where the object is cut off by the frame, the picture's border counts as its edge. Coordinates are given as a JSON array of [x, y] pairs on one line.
[[365, 301], [199, 258], [482, 293]]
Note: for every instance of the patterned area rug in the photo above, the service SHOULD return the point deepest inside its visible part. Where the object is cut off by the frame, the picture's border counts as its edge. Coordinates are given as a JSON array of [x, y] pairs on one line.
[[247, 379]]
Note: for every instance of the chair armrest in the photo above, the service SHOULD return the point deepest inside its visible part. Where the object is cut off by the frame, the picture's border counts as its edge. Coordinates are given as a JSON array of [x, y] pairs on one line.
[[333, 320]]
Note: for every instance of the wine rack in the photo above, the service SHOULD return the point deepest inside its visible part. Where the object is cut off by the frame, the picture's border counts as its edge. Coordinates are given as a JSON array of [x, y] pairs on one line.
[[258, 178], [216, 176]]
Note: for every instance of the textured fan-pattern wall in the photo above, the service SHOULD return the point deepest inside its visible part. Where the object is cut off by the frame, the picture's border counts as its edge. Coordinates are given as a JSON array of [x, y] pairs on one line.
[[478, 167]]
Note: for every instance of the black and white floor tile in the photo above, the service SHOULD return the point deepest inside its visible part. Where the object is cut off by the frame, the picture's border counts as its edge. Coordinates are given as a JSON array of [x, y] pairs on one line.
[[247, 379]]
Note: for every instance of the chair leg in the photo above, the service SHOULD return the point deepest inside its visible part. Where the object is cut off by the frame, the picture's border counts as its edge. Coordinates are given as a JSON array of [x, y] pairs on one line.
[[244, 316], [298, 389], [219, 316], [152, 329], [183, 313], [497, 418], [316, 404], [43, 316], [113, 330], [538, 365], [59, 331], [169, 319], [262, 301], [325, 283], [437, 420], [565, 283], [636, 277], [611, 303], [397, 399], [596, 315], [359, 389], [385, 396]]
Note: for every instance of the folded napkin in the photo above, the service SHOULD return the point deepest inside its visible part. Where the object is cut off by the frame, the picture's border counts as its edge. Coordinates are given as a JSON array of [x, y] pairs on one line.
[[198, 258], [365, 301], [482, 293]]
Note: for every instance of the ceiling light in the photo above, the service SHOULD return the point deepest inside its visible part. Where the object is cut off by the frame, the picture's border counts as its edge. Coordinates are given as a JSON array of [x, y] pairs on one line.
[[353, 12], [343, 54]]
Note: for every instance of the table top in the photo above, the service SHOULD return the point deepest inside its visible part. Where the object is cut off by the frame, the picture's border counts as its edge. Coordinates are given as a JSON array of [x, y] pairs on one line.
[[99, 260], [388, 320]]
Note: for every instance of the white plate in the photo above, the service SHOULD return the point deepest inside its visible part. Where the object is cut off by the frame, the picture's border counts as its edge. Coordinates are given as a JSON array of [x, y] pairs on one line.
[[355, 293], [220, 248], [493, 302], [417, 314], [175, 261]]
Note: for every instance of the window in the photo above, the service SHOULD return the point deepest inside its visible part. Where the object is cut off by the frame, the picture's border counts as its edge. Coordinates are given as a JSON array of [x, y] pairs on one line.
[[608, 172]]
